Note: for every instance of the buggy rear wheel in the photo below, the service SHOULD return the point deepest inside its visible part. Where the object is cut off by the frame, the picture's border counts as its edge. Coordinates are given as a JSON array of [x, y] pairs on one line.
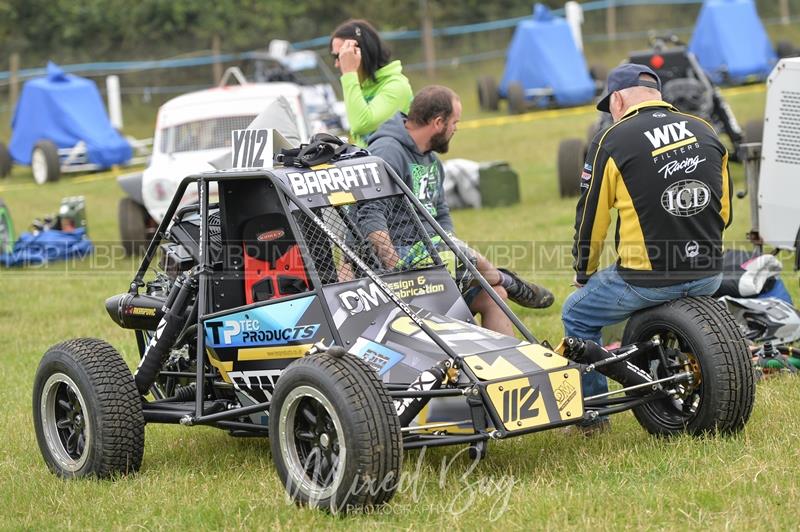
[[516, 98], [334, 433], [599, 73], [785, 49], [45, 164], [133, 232], [86, 411], [571, 154], [487, 93], [698, 336], [5, 161]]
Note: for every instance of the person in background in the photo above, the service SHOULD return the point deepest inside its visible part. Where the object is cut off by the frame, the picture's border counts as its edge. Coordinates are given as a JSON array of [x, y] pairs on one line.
[[373, 85], [409, 145], [666, 174]]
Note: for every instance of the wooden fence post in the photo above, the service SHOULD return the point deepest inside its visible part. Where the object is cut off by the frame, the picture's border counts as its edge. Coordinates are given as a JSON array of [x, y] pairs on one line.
[[13, 82], [216, 69], [611, 20], [785, 17], [427, 38]]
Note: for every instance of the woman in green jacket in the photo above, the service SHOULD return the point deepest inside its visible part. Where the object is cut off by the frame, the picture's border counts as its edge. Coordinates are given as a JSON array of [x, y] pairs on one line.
[[374, 87]]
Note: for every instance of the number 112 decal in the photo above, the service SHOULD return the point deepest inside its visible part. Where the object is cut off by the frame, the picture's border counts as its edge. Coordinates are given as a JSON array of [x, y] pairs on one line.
[[248, 148]]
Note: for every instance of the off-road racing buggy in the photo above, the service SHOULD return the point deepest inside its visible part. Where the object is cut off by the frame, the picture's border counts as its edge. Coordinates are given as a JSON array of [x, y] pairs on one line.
[[544, 68], [60, 126], [270, 314], [685, 85]]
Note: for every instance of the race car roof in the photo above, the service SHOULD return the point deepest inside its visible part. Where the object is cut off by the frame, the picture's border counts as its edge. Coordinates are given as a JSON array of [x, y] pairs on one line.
[[232, 100]]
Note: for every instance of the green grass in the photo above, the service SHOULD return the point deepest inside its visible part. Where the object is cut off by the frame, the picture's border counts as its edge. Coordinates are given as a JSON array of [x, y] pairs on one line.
[[202, 478]]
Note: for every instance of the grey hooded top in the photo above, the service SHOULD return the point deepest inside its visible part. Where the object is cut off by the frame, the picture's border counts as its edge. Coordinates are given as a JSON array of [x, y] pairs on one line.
[[422, 173]]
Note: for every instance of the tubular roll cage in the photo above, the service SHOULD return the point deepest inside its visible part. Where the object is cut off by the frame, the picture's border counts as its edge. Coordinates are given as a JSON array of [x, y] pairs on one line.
[[167, 411]]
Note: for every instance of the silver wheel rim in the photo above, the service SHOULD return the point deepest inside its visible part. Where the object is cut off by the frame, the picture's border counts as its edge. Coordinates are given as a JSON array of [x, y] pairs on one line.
[[39, 166], [296, 468], [58, 387]]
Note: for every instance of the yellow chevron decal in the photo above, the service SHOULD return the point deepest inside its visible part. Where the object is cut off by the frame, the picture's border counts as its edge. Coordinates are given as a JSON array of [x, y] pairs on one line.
[[485, 371], [543, 357]]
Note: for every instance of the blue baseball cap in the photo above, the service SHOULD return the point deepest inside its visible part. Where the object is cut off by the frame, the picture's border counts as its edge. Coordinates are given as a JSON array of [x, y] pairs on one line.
[[626, 76]]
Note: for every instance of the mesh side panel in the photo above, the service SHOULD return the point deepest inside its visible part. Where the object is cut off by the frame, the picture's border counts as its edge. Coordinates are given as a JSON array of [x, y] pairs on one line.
[[403, 246], [207, 134]]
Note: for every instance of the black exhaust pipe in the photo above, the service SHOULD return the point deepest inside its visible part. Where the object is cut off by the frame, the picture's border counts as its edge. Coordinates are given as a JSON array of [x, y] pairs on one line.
[[590, 353], [167, 331], [140, 312]]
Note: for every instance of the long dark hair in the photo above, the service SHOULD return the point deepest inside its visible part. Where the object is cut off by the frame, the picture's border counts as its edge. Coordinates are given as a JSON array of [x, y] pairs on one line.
[[375, 53]]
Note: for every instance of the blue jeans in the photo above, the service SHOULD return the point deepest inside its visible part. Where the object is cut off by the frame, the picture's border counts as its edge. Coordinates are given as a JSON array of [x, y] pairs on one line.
[[607, 299]]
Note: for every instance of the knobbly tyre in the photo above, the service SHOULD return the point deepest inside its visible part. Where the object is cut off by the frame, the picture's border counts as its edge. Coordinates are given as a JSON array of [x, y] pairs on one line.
[[269, 314]]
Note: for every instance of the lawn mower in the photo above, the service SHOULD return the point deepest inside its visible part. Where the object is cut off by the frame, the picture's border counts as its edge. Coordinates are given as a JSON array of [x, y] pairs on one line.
[[685, 85], [270, 314]]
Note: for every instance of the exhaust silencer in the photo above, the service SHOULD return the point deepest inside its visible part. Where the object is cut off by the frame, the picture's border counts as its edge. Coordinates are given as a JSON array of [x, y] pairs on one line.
[[590, 353], [140, 312]]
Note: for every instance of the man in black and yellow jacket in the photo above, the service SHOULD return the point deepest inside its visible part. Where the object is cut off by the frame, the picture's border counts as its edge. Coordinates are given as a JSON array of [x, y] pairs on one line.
[[666, 174]]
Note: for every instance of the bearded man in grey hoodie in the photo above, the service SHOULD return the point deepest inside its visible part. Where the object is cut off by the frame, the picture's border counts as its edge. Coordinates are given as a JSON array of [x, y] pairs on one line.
[[409, 145]]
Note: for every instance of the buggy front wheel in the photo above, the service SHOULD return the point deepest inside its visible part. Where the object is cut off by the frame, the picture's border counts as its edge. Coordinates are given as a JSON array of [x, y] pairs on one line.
[[516, 98], [487, 93], [5, 161], [133, 231], [86, 411], [45, 163], [334, 433], [571, 154], [697, 336]]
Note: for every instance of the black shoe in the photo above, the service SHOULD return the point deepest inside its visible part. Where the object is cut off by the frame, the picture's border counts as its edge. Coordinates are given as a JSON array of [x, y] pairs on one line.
[[526, 293]]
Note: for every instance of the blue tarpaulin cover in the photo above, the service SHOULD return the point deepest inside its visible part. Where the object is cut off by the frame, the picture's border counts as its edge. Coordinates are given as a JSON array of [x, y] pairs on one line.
[[47, 246], [730, 42], [543, 54], [65, 109]]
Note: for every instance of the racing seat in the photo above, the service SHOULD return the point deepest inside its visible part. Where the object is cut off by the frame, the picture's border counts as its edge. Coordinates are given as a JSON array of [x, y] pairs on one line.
[[273, 265]]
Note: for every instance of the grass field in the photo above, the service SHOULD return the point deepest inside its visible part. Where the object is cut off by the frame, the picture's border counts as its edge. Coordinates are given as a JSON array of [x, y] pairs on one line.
[[202, 478]]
